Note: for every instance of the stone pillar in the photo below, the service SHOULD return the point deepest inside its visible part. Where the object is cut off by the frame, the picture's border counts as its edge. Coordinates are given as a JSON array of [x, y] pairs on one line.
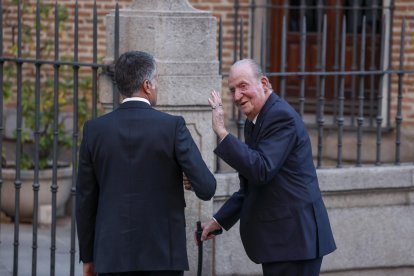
[[183, 41]]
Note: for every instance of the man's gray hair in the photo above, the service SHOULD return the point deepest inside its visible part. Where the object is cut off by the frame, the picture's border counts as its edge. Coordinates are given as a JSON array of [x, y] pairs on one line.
[[132, 69], [257, 70]]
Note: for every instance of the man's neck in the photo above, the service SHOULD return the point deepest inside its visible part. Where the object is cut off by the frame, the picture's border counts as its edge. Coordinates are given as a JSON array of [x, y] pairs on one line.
[[254, 118]]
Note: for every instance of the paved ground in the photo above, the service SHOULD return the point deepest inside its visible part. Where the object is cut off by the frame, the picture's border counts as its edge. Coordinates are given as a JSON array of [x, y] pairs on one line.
[[62, 266]]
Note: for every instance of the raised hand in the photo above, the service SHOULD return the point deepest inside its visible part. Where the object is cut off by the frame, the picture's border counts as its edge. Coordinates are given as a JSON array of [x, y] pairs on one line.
[[217, 115]]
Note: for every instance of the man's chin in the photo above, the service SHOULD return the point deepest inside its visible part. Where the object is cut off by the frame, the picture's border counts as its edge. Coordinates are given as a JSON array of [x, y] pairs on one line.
[[245, 110], [248, 115]]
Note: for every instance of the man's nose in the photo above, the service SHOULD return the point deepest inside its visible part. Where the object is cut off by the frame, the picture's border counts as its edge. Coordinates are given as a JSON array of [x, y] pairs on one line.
[[237, 96]]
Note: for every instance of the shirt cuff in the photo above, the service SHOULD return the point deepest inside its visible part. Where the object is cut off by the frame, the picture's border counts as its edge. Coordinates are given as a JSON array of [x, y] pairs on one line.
[[217, 222], [223, 138]]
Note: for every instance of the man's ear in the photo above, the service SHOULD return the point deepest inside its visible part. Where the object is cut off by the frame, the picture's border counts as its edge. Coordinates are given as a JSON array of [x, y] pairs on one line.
[[265, 83], [146, 87]]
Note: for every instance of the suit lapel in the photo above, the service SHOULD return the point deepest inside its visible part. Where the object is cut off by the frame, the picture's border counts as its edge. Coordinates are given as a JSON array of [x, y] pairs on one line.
[[248, 129], [260, 119]]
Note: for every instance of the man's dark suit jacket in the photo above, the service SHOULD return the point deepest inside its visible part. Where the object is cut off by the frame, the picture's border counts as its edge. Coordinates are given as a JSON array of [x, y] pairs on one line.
[[130, 196], [279, 204]]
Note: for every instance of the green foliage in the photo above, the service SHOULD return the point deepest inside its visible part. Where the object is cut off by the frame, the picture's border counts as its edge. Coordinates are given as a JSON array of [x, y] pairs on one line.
[[64, 91]]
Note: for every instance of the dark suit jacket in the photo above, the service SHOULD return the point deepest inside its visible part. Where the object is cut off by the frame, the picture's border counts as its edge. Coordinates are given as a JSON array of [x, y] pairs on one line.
[[279, 204], [130, 197]]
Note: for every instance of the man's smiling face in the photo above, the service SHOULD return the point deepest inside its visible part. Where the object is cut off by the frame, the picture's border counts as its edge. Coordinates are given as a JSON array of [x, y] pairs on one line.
[[249, 91]]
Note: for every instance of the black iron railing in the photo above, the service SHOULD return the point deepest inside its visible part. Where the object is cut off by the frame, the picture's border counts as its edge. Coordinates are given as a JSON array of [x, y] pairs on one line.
[[19, 61], [358, 70], [350, 107]]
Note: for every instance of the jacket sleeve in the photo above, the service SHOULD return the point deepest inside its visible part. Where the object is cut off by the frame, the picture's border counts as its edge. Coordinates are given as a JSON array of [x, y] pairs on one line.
[[275, 142], [229, 213], [87, 193], [192, 164]]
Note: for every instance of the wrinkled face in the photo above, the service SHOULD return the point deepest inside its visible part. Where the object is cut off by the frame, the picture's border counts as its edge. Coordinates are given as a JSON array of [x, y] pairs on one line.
[[249, 92]]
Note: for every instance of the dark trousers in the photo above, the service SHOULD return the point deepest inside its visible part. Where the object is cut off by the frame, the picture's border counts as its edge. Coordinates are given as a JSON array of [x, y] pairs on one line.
[[293, 268], [146, 273]]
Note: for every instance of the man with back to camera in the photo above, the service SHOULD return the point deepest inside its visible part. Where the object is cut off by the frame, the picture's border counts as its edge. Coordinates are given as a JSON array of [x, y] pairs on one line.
[[130, 197], [284, 224]]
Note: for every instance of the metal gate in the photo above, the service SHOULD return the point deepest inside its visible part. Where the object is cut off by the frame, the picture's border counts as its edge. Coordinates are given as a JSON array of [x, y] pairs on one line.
[[346, 84], [25, 81], [327, 114]]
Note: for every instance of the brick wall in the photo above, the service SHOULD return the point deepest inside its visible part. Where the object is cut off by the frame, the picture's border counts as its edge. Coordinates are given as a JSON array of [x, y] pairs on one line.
[[67, 31], [219, 8], [403, 9], [66, 34]]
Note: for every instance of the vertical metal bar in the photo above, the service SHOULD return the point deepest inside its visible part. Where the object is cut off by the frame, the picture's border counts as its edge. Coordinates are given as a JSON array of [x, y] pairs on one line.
[[319, 8], [1, 101], [319, 16], [360, 119], [240, 121], [372, 66], [283, 59], [54, 186], [235, 36], [286, 8], [220, 58], [283, 64], [354, 67], [336, 60], [302, 66], [95, 60], [380, 95], [75, 124], [266, 31], [390, 47], [398, 117], [241, 42], [36, 184], [341, 98], [252, 26], [19, 121], [236, 31], [263, 48], [116, 55], [321, 120], [302, 9]]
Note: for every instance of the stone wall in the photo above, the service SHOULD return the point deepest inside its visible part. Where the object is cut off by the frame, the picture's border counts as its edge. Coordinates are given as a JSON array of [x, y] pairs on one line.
[[371, 212]]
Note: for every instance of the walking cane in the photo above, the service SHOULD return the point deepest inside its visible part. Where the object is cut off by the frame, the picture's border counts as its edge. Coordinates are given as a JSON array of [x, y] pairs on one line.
[[200, 248], [200, 245]]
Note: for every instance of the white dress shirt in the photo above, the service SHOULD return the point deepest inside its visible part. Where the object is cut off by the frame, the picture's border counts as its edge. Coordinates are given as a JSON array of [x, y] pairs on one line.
[[136, 99]]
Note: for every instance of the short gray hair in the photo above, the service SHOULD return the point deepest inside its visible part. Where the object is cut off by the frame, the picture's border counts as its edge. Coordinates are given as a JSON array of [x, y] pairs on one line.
[[132, 69], [257, 70]]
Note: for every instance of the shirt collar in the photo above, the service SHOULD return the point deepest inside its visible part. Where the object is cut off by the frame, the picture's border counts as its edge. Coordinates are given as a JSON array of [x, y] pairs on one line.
[[136, 99], [255, 119]]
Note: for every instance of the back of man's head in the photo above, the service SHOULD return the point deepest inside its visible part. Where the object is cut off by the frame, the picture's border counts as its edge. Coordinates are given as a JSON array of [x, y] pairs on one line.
[[132, 69]]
